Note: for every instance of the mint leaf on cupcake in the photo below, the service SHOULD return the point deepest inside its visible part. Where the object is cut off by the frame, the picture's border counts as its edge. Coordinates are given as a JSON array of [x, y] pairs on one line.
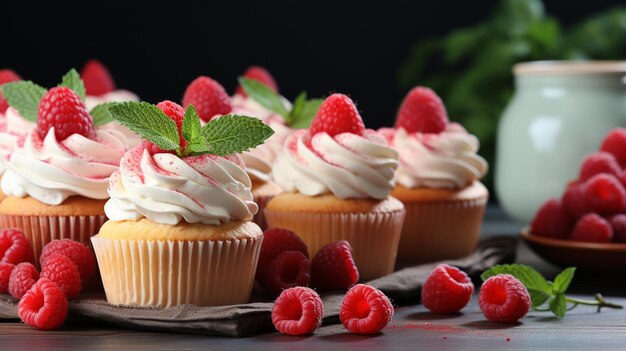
[[231, 134], [24, 96], [101, 114], [72, 80], [303, 111]]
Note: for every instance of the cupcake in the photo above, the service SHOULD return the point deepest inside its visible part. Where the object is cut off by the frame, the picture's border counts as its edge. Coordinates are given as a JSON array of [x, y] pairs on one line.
[[337, 178], [100, 89], [180, 229], [9, 132], [56, 179], [437, 181]]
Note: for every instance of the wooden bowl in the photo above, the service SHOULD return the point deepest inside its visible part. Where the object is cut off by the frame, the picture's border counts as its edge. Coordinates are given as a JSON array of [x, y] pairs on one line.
[[597, 257]]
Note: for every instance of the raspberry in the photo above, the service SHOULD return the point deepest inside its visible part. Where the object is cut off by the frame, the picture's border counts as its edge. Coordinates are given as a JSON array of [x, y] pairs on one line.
[[615, 144], [64, 273], [97, 79], [62, 109], [297, 311], [5, 275], [333, 267], [259, 74], [288, 269], [365, 310], [422, 111], [605, 195], [447, 290], [275, 241], [504, 299], [80, 254], [599, 162], [592, 228], [14, 247], [337, 115], [6, 76], [573, 200], [551, 221], [23, 277], [176, 113], [208, 97], [44, 306], [618, 224]]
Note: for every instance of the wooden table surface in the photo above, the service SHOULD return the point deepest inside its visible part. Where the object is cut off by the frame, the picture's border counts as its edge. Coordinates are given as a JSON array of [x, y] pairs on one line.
[[413, 328]]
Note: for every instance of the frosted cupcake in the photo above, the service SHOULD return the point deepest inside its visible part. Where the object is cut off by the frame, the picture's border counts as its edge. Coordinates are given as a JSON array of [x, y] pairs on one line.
[[338, 177], [56, 179], [437, 180], [8, 131], [180, 229]]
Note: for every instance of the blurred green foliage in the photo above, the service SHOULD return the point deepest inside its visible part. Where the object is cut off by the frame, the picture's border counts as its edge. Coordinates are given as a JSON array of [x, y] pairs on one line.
[[470, 68]]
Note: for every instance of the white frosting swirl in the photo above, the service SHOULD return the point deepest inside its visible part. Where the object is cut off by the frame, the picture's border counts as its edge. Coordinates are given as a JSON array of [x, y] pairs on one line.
[[446, 160], [130, 139], [347, 165], [167, 189], [51, 171], [12, 127]]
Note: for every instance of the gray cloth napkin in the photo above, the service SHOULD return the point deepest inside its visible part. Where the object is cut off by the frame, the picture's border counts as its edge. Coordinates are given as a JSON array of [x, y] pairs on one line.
[[402, 286]]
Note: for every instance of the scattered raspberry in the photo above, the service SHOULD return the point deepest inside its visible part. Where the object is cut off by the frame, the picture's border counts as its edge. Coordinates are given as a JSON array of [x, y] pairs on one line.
[[64, 273], [447, 290], [44, 306], [275, 241], [176, 113], [208, 97], [5, 275], [615, 143], [592, 228], [365, 310], [573, 200], [422, 111], [333, 267], [23, 277], [504, 299], [288, 269], [551, 221], [14, 247], [80, 254], [297, 311], [259, 74], [597, 163], [605, 195], [618, 224], [97, 79], [62, 109], [6, 76], [337, 115]]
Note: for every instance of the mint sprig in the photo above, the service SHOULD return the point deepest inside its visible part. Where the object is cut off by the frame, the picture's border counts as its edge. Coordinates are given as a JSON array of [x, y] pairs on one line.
[[542, 290], [222, 136], [300, 115], [101, 114], [73, 81], [24, 96]]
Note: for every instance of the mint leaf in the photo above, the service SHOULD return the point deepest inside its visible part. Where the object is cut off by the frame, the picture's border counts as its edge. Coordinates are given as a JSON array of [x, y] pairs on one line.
[[297, 108], [198, 147], [24, 96], [72, 80], [304, 119], [558, 305], [232, 134], [191, 124], [537, 286], [101, 114], [149, 122], [264, 95], [563, 280]]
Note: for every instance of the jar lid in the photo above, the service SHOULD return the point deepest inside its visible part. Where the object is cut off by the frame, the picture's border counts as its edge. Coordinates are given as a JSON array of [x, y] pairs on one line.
[[569, 67]]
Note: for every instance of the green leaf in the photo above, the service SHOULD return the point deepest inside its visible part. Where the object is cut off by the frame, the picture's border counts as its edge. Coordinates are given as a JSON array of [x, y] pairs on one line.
[[24, 96], [297, 108], [72, 80], [538, 297], [191, 124], [149, 122], [232, 134], [536, 284], [308, 113], [198, 147], [101, 114], [558, 305], [264, 95], [563, 280]]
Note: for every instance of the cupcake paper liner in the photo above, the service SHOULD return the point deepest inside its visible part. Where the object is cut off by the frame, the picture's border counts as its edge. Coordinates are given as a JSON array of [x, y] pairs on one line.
[[153, 273], [374, 237]]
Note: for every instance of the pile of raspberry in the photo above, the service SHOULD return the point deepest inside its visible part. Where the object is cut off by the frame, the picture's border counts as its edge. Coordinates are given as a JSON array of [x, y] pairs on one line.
[[593, 207], [43, 295]]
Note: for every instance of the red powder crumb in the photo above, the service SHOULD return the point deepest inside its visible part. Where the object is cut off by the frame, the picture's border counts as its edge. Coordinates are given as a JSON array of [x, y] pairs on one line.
[[445, 338], [508, 339]]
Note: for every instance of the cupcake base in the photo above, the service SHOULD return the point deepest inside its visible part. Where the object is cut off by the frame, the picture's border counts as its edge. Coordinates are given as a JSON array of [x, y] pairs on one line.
[[371, 227], [440, 223], [263, 192]]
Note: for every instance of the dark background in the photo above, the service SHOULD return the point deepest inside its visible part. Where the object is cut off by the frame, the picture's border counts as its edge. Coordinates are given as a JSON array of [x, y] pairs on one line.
[[155, 49]]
